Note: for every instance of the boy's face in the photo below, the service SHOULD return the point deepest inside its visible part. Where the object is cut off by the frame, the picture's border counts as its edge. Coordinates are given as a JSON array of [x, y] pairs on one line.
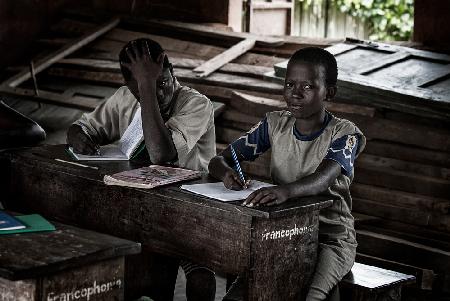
[[164, 89], [305, 89]]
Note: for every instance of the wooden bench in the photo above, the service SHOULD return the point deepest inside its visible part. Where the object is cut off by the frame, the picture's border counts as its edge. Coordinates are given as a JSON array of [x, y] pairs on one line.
[[369, 283], [363, 283], [66, 264]]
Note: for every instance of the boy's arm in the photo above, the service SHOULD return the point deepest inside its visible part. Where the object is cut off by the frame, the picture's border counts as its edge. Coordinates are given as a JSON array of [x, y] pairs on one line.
[[313, 184], [339, 159], [158, 139], [99, 126], [248, 147]]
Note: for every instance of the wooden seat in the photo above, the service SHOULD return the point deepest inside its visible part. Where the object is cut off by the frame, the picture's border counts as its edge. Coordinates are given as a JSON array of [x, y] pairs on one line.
[[367, 283], [363, 283], [66, 264]]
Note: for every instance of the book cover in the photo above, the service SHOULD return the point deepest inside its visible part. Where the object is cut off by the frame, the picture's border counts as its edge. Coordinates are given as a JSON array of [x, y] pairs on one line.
[[124, 149], [33, 223], [9, 222], [151, 176]]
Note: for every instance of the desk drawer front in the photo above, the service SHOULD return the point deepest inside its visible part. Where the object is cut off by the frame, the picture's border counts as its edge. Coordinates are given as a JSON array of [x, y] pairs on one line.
[[101, 281], [21, 290]]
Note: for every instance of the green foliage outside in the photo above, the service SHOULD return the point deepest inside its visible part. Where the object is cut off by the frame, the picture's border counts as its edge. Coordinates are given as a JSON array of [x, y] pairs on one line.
[[387, 19]]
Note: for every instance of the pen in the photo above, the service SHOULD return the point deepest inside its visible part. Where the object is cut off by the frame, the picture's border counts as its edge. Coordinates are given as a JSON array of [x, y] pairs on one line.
[[238, 166], [77, 164]]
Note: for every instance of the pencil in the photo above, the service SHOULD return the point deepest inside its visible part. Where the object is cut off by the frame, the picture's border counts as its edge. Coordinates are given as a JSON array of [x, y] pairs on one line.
[[77, 164], [238, 166]]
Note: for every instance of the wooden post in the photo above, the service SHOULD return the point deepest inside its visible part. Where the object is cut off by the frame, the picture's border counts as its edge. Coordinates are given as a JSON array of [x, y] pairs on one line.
[[225, 57]]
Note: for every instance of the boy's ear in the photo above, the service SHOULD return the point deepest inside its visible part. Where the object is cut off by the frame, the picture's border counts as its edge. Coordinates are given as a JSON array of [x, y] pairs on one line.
[[331, 92]]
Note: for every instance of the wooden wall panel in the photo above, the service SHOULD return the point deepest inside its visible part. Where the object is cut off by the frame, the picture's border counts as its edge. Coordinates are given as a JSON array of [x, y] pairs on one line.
[[22, 20], [431, 23]]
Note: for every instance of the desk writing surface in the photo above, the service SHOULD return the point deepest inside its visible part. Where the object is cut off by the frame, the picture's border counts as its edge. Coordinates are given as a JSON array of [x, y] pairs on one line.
[[224, 236], [31, 255], [47, 154]]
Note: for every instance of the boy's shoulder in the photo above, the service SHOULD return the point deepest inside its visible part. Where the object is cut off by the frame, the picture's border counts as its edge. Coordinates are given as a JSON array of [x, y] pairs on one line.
[[279, 116], [188, 93], [341, 126], [122, 97], [279, 121], [190, 98]]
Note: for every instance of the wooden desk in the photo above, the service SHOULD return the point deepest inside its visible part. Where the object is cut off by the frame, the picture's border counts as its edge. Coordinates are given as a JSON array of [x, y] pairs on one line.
[[66, 264], [274, 247]]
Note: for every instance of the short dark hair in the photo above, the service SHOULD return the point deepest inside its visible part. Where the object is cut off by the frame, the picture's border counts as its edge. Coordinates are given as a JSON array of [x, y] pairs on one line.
[[318, 56], [155, 51]]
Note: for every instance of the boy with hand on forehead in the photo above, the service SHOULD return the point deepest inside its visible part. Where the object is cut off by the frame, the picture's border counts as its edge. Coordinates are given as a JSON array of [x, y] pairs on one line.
[[178, 127], [313, 152], [177, 121]]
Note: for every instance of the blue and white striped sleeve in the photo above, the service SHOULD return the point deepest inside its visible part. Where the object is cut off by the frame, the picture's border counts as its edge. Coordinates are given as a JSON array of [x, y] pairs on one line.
[[343, 150], [254, 142]]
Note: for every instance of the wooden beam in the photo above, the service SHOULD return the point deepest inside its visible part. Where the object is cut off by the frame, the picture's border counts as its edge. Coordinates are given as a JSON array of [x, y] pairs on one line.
[[400, 198], [61, 53], [187, 76], [404, 152], [79, 102], [225, 57], [419, 233], [415, 233], [400, 180], [239, 117], [404, 165], [389, 212], [207, 31], [108, 65], [392, 248]]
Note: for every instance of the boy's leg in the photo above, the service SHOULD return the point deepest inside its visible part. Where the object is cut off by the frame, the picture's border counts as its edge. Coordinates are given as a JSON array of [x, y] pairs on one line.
[[200, 282], [333, 263]]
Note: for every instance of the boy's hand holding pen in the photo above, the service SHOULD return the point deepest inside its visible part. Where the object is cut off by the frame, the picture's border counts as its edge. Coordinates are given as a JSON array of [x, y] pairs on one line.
[[81, 141], [234, 178]]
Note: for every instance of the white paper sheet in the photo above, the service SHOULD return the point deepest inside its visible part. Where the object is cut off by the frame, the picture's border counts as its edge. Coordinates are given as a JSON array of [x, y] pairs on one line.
[[132, 136], [219, 192]]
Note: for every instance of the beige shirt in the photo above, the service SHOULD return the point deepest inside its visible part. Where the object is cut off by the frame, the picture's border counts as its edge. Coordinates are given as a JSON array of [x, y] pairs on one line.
[[293, 159], [190, 121]]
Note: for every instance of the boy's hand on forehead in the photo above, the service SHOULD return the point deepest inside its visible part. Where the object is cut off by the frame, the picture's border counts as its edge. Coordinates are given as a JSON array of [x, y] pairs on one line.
[[267, 196], [141, 64]]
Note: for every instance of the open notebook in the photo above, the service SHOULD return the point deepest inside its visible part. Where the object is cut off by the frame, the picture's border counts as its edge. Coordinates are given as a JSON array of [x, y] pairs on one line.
[[219, 192], [124, 149]]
